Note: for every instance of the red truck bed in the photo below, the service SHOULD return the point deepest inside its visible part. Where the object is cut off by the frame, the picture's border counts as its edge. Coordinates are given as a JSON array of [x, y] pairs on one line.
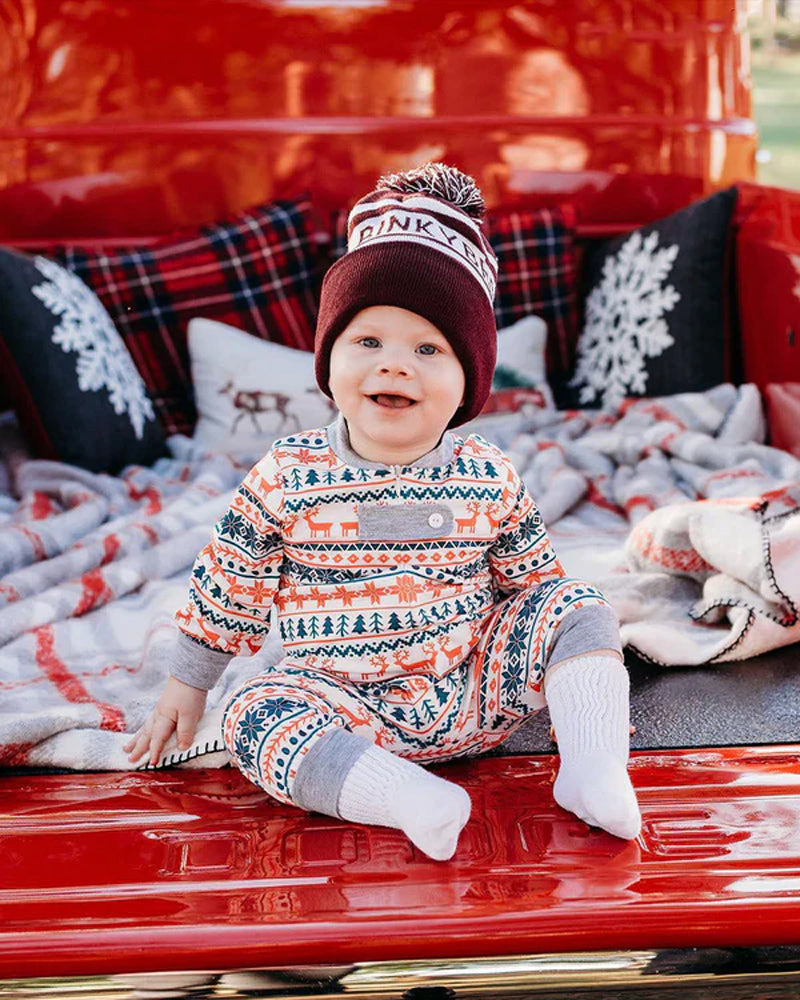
[[123, 119], [195, 871]]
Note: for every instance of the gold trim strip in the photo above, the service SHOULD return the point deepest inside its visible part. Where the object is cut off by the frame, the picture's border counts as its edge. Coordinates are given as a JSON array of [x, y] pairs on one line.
[[696, 972]]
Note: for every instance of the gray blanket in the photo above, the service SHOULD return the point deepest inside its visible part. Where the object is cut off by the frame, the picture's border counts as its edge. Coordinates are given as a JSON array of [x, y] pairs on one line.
[[641, 502]]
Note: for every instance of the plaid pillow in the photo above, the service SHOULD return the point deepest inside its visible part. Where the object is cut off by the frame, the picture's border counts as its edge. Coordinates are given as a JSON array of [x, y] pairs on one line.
[[253, 271], [537, 274]]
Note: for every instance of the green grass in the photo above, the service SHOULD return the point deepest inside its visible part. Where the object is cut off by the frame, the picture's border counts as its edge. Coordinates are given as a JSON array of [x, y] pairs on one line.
[[776, 104]]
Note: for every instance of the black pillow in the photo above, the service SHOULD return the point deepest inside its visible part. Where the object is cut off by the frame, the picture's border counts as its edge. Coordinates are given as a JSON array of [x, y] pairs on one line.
[[654, 322], [70, 377]]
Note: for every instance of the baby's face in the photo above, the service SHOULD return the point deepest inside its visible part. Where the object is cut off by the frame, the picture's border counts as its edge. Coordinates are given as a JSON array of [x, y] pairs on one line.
[[397, 381]]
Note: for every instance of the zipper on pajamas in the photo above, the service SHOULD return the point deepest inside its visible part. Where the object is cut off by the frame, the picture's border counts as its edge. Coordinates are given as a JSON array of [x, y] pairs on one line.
[[398, 485]]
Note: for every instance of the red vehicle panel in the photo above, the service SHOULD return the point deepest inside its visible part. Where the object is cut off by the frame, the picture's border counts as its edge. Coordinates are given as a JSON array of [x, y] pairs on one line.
[[124, 119], [768, 258], [199, 870], [110, 127]]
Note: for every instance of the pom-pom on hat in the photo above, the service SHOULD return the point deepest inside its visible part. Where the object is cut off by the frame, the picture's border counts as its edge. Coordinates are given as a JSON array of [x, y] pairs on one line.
[[415, 242]]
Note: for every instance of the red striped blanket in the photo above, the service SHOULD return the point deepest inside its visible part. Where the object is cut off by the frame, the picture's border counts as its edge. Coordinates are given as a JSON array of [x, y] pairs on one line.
[[92, 567]]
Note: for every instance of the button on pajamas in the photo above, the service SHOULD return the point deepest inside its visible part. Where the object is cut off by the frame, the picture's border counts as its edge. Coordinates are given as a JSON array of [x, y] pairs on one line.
[[418, 606]]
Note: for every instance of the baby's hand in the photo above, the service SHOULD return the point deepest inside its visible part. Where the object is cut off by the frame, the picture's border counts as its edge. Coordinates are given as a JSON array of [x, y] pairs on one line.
[[180, 707]]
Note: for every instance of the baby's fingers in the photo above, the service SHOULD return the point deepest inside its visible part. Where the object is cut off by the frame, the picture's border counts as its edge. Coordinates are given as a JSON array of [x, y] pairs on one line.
[[163, 728], [187, 727], [137, 747]]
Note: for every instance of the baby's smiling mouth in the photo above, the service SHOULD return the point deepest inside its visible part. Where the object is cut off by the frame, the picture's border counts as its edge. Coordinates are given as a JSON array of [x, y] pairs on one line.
[[392, 400]]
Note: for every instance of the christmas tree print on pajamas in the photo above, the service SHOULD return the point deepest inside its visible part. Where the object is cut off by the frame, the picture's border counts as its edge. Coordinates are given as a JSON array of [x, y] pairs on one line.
[[426, 629]]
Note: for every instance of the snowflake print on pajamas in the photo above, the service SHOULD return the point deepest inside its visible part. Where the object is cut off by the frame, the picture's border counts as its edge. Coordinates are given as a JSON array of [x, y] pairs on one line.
[[85, 327], [625, 321]]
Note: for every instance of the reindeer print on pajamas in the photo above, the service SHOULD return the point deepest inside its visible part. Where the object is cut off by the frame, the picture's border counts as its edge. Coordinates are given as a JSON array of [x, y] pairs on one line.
[[417, 605]]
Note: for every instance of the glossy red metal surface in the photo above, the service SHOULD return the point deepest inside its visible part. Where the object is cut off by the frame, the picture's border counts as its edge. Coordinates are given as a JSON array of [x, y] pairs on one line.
[[123, 118], [768, 283], [120, 119], [133, 872]]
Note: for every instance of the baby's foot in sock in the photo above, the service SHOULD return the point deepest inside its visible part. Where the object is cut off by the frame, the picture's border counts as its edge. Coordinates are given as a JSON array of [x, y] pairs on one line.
[[597, 789], [432, 813], [391, 791]]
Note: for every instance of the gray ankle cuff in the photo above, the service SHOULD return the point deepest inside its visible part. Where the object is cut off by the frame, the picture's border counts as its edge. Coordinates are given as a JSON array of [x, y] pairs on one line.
[[321, 773], [583, 631]]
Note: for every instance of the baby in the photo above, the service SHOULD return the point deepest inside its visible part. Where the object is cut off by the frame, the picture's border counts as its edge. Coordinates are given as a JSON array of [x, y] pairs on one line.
[[422, 610]]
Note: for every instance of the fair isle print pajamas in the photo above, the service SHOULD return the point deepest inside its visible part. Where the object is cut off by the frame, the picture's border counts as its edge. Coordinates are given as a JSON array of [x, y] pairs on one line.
[[274, 719], [418, 606]]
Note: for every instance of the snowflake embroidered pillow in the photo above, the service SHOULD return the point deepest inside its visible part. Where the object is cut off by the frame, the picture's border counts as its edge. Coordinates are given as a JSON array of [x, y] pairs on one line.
[[77, 393], [654, 322]]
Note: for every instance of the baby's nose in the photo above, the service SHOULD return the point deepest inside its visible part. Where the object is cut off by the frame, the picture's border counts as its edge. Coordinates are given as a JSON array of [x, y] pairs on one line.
[[397, 366]]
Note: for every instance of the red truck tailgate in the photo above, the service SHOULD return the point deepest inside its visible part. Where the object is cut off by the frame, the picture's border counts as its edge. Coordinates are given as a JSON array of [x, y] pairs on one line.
[[197, 869]]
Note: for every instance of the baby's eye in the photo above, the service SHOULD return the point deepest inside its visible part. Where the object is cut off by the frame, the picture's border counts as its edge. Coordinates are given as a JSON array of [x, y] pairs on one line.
[[369, 342], [428, 349]]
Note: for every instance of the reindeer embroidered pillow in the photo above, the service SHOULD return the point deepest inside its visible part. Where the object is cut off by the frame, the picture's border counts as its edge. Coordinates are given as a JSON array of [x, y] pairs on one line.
[[249, 392]]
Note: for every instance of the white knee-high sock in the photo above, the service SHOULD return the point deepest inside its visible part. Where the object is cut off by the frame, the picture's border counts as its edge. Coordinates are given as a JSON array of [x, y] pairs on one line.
[[386, 790], [588, 698]]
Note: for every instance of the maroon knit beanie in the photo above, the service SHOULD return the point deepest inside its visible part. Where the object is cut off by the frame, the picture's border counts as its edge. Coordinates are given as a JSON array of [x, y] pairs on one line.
[[415, 242]]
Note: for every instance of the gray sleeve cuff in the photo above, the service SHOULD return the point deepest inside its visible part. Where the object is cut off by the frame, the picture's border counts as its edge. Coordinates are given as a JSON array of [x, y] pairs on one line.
[[196, 664]]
